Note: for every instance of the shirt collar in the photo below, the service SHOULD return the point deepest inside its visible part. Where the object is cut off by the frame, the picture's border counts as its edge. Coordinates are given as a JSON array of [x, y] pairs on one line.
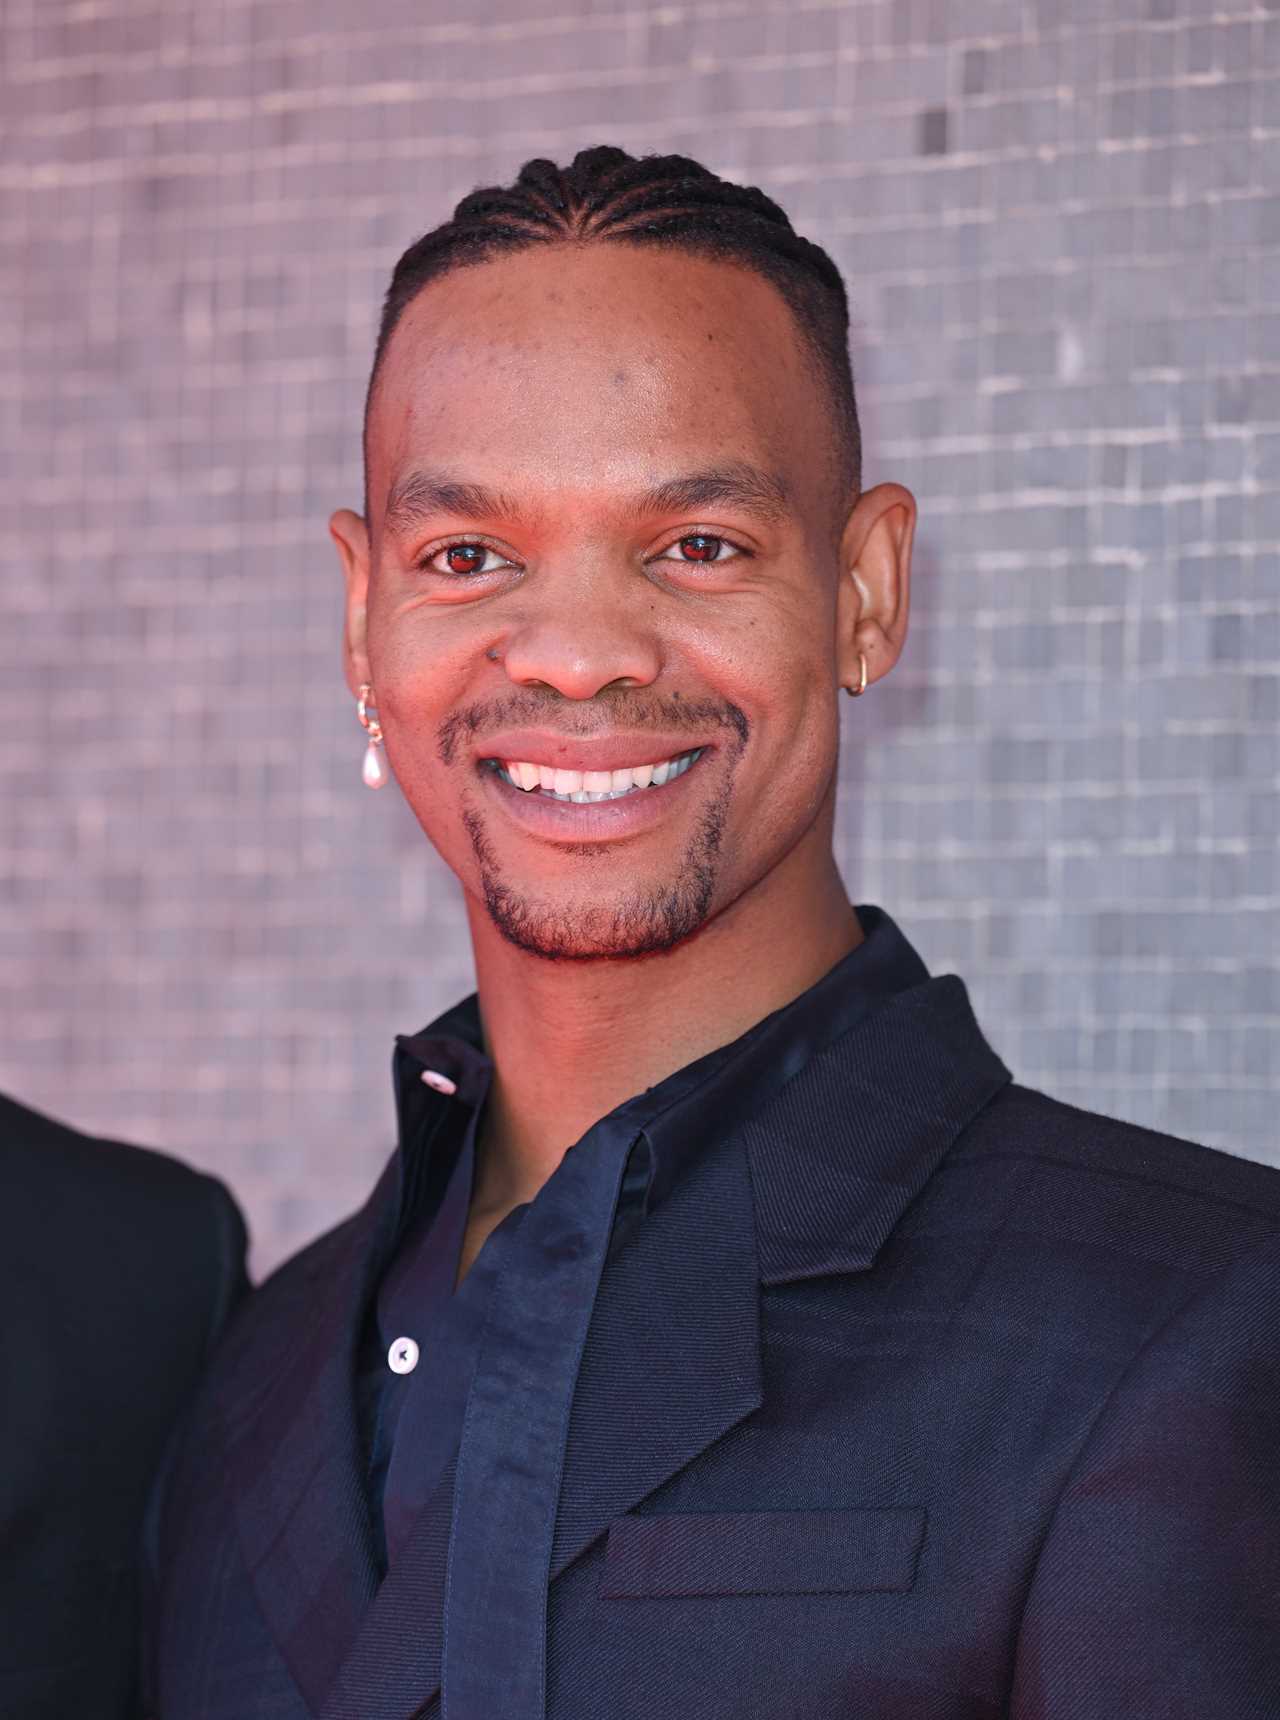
[[709, 1097]]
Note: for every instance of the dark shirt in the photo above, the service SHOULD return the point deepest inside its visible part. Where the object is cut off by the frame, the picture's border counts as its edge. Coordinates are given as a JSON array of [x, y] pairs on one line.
[[498, 1357]]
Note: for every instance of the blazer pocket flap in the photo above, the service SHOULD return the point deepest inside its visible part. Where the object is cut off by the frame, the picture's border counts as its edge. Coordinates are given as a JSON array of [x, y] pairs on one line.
[[763, 1552]]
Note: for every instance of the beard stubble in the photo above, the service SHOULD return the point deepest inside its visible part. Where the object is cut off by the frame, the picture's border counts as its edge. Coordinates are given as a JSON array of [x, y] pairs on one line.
[[635, 923]]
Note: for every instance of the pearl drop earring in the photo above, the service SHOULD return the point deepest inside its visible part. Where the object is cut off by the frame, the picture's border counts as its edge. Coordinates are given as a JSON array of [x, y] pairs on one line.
[[374, 770]]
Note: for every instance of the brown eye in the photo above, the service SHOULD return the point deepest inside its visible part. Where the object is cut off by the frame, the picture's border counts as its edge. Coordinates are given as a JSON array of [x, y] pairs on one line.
[[704, 548], [465, 557]]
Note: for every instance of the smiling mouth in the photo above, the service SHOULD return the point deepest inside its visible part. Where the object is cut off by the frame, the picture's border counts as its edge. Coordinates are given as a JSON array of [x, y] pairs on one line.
[[583, 787]]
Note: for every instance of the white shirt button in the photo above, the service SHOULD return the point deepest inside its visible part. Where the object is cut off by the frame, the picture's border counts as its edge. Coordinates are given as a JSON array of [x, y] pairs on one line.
[[441, 1083], [402, 1357]]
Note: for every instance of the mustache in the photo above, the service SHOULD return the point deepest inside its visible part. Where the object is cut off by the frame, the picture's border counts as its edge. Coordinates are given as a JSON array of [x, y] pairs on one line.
[[583, 719]]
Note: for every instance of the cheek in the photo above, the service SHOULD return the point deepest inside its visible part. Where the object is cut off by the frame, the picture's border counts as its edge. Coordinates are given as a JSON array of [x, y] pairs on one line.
[[782, 672], [769, 647], [419, 674]]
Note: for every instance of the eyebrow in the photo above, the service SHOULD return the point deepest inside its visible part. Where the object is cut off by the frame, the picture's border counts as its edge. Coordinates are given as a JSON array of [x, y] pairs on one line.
[[423, 494]]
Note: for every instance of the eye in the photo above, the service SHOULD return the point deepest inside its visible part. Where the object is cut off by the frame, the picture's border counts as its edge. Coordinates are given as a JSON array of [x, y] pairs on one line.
[[463, 559], [703, 547]]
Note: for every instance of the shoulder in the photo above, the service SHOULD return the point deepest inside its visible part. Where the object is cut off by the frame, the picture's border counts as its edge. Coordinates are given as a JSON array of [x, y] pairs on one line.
[[108, 1205], [309, 1306], [1085, 1145], [1060, 1171], [307, 1297], [41, 1152]]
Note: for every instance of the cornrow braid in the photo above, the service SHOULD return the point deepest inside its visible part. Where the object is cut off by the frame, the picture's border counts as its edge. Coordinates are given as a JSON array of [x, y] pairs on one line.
[[664, 200]]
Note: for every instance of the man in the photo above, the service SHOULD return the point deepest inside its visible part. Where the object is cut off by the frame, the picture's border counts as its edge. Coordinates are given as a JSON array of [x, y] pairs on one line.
[[119, 1268], [729, 1335]]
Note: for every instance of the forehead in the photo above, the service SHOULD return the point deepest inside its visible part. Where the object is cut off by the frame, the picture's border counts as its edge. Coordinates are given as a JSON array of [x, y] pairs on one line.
[[594, 365]]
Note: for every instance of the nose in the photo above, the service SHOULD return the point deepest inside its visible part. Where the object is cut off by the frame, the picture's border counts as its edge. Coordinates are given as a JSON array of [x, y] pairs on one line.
[[588, 638]]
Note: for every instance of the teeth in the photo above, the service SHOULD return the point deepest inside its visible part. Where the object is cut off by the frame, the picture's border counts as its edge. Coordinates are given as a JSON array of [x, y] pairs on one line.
[[583, 788]]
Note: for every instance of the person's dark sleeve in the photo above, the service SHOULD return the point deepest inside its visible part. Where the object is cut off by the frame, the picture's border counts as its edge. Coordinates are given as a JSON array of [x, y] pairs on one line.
[[1157, 1592], [228, 1242], [231, 1277]]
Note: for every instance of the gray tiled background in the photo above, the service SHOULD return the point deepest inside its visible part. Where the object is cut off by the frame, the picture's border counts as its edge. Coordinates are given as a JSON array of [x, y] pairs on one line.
[[1061, 227]]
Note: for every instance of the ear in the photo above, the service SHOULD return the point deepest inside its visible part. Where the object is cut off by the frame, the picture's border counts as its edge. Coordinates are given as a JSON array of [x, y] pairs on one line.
[[350, 533], [875, 580]]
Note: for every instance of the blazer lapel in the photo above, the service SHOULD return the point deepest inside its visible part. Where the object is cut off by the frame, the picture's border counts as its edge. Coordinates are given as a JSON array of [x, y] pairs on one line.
[[855, 1138], [672, 1359], [393, 1668], [294, 1449]]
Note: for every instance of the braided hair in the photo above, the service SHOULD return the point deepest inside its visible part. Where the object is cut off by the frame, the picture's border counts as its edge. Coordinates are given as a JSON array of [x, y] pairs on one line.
[[663, 200]]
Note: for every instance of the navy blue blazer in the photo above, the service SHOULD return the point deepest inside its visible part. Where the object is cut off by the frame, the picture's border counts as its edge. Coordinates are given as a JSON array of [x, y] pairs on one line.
[[922, 1396], [119, 1267]]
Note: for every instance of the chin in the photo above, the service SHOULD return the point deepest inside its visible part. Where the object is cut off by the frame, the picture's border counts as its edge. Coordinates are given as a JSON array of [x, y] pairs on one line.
[[642, 924], [632, 919]]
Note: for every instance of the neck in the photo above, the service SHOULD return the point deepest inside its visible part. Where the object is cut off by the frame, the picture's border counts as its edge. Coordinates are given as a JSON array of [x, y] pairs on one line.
[[571, 1040]]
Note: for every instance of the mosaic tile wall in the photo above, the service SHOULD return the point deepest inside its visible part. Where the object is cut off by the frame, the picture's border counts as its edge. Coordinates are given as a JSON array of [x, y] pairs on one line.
[[1061, 229]]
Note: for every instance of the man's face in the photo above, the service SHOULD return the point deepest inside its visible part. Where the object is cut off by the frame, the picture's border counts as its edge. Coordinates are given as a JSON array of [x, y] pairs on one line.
[[603, 542]]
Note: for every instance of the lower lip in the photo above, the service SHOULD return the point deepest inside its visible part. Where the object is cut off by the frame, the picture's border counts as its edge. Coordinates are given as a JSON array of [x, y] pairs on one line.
[[591, 821]]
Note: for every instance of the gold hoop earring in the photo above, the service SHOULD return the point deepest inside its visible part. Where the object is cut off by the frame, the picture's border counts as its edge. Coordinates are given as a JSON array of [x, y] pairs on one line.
[[374, 770], [855, 692]]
